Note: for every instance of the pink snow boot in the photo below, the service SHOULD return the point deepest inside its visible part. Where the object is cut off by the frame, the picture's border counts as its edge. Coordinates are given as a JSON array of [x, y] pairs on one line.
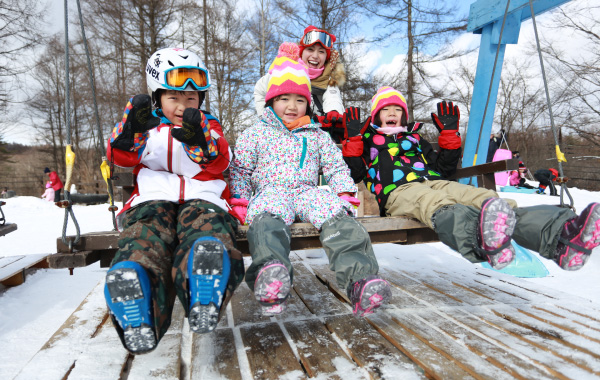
[[368, 294], [272, 287], [579, 237], [496, 225]]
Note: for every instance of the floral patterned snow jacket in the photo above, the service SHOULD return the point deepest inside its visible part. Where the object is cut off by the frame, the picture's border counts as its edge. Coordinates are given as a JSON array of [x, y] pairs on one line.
[[394, 160], [268, 155]]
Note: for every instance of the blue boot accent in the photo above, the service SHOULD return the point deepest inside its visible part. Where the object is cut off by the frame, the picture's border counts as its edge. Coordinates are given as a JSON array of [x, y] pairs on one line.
[[208, 274], [129, 297]]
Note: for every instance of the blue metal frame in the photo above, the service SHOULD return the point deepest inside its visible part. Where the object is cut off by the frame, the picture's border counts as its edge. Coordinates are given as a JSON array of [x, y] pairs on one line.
[[485, 18]]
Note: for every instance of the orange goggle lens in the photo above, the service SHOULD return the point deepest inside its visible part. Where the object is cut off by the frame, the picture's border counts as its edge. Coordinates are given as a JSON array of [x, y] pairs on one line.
[[178, 78]]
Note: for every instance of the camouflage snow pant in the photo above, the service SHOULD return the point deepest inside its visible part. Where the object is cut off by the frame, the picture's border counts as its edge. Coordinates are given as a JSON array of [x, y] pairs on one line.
[[159, 235]]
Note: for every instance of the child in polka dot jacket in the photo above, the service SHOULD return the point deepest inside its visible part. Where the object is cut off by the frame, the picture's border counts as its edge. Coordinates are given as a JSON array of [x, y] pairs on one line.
[[274, 179], [408, 178]]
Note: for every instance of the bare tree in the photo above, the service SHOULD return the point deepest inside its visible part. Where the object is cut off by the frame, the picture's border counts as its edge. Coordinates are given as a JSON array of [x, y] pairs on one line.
[[575, 77], [422, 29], [263, 37]]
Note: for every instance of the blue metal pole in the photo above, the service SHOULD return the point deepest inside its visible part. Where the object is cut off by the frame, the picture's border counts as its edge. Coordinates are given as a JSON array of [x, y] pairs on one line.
[[483, 77]]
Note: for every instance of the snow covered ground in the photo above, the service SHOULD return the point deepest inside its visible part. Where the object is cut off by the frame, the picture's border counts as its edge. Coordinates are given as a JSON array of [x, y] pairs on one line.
[[32, 312]]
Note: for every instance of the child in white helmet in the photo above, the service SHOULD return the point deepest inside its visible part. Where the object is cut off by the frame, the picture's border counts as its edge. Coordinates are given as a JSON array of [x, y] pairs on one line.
[[275, 175], [177, 237]]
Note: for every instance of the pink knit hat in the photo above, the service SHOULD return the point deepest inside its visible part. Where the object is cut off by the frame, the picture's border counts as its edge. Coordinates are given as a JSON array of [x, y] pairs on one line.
[[387, 96], [289, 75]]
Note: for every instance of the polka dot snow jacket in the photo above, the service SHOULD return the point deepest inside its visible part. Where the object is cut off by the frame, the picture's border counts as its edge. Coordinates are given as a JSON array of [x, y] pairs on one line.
[[394, 160]]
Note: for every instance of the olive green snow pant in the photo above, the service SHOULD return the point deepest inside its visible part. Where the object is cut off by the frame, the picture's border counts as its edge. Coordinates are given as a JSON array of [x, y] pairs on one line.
[[345, 240], [420, 200], [538, 227]]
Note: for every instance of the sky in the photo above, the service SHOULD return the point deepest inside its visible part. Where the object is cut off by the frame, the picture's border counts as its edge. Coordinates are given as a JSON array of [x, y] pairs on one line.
[[30, 313], [381, 59]]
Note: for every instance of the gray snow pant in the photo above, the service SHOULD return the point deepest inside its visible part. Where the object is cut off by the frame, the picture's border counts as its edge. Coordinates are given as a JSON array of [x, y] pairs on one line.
[[538, 228], [345, 240]]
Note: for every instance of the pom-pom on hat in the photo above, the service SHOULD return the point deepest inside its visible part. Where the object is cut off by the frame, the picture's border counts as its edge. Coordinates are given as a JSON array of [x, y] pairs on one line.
[[387, 96], [289, 75], [313, 35]]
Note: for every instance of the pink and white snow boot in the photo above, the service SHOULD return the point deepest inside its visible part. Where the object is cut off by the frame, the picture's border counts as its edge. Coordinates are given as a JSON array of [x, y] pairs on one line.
[[579, 237], [368, 294], [272, 287], [497, 222]]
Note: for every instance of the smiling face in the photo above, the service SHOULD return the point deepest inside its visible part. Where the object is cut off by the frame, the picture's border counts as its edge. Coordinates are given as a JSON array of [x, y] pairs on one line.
[[173, 104], [314, 56], [290, 107], [391, 116]]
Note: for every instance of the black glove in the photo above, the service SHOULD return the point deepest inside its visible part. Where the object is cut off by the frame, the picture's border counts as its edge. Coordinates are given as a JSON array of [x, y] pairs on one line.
[[194, 130], [447, 117], [351, 122], [352, 145], [140, 116], [139, 119]]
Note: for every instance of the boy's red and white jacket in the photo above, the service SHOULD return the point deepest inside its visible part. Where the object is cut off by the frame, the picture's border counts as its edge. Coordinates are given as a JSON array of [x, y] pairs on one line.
[[164, 170]]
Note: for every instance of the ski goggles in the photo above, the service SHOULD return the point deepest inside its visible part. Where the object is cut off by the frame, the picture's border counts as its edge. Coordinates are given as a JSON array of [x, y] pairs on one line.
[[179, 78], [315, 36]]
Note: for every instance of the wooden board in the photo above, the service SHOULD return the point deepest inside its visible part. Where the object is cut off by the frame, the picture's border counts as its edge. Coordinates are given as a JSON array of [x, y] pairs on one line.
[[7, 228], [165, 361], [103, 245], [269, 353], [58, 356], [215, 356], [13, 268]]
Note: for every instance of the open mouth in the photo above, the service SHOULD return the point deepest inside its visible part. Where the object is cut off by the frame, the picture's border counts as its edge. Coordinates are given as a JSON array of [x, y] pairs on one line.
[[391, 123], [313, 64]]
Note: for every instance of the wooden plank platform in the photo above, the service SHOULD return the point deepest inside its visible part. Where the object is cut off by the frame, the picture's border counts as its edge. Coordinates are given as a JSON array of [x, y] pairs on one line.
[[468, 323], [13, 268]]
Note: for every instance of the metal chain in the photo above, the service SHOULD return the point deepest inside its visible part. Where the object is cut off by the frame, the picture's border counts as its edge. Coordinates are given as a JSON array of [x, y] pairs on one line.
[[98, 128], [69, 203], [560, 156]]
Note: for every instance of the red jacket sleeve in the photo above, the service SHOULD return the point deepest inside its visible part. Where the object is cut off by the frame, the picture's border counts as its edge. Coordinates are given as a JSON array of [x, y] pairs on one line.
[[122, 158]]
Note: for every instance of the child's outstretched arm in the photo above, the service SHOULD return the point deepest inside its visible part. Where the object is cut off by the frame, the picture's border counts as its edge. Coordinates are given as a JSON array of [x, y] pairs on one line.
[[446, 121], [128, 139]]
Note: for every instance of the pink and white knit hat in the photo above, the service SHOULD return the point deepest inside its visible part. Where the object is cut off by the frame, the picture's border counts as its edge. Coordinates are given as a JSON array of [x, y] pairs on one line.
[[387, 96], [289, 75]]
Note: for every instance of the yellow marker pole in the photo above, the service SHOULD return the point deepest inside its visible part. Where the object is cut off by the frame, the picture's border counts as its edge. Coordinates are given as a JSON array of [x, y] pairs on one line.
[[560, 156], [70, 161], [105, 169]]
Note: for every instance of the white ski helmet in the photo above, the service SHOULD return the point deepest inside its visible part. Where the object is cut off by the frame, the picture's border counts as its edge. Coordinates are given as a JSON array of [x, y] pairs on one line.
[[176, 69]]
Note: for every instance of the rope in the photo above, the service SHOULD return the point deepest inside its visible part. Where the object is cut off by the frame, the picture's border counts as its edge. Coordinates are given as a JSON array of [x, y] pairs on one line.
[[69, 155], [487, 101], [104, 167], [559, 155]]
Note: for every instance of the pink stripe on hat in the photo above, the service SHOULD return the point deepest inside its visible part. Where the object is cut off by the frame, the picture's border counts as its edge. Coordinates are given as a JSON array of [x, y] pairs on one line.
[[387, 96]]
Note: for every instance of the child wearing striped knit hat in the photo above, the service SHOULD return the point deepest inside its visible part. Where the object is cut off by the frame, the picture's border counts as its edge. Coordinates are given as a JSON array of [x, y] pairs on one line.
[[274, 179], [408, 178]]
